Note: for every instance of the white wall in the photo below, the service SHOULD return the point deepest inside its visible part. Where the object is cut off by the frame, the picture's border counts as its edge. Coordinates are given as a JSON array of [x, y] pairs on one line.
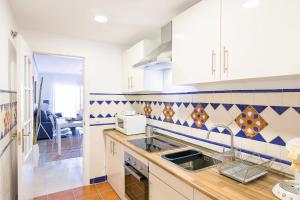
[[7, 24], [8, 162], [50, 79], [102, 73]]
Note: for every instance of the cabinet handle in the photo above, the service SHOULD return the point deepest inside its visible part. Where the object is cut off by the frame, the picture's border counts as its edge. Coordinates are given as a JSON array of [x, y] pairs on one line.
[[111, 146], [114, 148], [225, 60], [131, 82], [213, 62]]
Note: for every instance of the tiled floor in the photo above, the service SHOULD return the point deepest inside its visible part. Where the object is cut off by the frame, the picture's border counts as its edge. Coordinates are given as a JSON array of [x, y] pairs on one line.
[[57, 176], [102, 191], [71, 148]]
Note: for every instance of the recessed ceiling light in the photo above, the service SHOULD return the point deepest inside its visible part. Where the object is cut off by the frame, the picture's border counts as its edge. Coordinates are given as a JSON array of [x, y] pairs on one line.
[[100, 18], [251, 3]]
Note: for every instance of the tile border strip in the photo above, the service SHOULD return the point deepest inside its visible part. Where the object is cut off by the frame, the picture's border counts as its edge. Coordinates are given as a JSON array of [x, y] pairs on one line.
[[7, 91], [205, 92], [223, 145], [98, 179], [102, 124]]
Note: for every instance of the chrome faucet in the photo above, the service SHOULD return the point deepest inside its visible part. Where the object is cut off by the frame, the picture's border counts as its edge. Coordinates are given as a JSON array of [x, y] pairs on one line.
[[231, 134]]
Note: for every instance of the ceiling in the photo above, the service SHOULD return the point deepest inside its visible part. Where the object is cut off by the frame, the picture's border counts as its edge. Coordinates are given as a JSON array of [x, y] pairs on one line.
[[47, 63], [128, 20]]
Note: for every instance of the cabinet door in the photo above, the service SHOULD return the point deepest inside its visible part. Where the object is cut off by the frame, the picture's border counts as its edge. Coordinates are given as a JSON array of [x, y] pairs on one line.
[[199, 196], [196, 44], [109, 165], [161, 191], [261, 38], [118, 170]]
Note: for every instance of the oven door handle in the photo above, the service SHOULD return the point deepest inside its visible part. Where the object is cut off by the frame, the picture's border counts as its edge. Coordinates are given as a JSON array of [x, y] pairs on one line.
[[140, 178]]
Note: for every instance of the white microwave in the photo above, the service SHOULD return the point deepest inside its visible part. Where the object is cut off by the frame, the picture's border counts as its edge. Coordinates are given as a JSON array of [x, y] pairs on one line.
[[131, 124]]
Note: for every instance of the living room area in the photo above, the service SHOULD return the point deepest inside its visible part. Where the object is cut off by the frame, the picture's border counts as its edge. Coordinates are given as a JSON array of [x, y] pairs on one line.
[[59, 115]]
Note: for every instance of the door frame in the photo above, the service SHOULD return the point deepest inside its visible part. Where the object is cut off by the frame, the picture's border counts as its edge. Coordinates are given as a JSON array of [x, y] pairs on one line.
[[85, 142]]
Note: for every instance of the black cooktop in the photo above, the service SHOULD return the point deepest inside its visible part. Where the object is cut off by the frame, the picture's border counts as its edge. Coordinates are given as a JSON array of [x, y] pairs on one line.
[[156, 144]]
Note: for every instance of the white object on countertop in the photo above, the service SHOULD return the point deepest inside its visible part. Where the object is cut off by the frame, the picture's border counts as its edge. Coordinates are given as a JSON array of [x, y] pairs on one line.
[[131, 124], [290, 189], [128, 113]]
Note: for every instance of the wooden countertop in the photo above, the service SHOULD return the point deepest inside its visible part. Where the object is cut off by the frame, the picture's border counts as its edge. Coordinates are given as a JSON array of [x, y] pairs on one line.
[[208, 181]]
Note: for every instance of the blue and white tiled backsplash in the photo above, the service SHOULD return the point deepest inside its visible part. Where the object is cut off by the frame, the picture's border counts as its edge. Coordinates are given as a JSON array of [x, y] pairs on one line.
[[262, 121]]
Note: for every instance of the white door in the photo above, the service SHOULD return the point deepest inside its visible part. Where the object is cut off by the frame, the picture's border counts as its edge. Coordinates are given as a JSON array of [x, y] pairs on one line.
[[25, 120], [196, 44], [261, 38]]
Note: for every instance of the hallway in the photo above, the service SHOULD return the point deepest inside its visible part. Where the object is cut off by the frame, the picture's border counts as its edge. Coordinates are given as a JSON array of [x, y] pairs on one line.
[[57, 176]]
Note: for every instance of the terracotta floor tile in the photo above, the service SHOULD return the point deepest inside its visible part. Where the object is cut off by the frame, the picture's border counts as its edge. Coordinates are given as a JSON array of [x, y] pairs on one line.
[[101, 187], [102, 191], [41, 198], [64, 195], [85, 192], [109, 195], [89, 197]]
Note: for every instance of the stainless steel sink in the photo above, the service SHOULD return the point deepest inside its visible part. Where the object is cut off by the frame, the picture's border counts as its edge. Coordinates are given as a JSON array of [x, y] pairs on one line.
[[191, 160]]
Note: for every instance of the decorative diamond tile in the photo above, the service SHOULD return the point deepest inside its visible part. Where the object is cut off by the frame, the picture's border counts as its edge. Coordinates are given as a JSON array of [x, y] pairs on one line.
[[107, 102], [92, 102], [242, 107], [168, 112], [147, 109], [227, 106], [117, 102], [178, 104], [278, 141], [199, 116], [250, 122], [215, 105], [186, 104], [297, 109], [259, 108], [259, 137], [280, 109], [99, 102], [92, 116]]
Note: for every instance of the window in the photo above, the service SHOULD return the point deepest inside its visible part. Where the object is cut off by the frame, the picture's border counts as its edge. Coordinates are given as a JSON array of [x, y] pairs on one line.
[[67, 99]]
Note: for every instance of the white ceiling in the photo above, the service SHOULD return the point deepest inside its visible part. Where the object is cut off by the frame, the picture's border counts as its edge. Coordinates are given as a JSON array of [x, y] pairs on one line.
[[58, 64], [128, 20]]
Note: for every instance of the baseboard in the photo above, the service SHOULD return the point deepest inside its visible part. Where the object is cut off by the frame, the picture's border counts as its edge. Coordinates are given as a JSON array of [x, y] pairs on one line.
[[98, 179]]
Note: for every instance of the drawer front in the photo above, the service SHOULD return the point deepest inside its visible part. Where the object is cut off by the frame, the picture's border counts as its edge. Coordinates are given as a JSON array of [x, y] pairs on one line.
[[175, 183], [200, 196]]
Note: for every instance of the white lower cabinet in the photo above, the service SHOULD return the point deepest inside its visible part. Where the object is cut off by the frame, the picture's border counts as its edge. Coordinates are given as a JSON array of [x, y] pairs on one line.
[[161, 191], [200, 196], [114, 166], [172, 185]]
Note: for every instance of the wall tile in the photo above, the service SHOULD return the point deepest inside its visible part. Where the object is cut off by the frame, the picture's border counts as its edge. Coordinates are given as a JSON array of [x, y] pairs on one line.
[[280, 110]]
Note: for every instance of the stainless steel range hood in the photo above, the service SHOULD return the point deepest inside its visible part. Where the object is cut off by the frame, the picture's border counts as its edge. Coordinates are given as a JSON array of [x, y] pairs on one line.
[[161, 57]]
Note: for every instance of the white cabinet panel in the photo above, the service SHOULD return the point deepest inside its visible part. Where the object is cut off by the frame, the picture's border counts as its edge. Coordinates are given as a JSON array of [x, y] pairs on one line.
[[262, 39], [200, 196], [139, 80], [114, 166], [161, 191], [196, 44], [175, 183]]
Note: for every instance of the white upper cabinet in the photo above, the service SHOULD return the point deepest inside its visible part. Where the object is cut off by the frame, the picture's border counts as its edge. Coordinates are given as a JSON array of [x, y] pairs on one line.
[[261, 38], [196, 44], [139, 80], [219, 40]]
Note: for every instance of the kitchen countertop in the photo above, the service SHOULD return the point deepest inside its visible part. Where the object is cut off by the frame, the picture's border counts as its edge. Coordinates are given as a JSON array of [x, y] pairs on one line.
[[208, 181]]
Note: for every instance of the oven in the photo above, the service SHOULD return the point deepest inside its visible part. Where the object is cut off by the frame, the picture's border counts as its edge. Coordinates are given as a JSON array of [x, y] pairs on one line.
[[136, 178]]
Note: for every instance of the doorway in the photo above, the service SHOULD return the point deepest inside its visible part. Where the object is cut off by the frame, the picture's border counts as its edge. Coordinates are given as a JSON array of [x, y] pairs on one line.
[[59, 89]]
